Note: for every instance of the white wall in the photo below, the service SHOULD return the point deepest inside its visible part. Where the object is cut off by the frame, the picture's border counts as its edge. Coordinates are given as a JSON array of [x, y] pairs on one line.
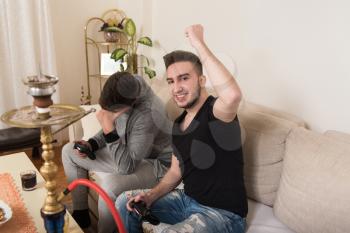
[[291, 55], [69, 19]]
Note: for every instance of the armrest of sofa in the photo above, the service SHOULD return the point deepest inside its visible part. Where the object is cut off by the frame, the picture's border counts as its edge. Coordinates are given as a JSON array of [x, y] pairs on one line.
[[75, 131]]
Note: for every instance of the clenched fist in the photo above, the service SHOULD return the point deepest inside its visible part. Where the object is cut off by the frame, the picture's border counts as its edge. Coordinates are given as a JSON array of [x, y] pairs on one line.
[[195, 35]]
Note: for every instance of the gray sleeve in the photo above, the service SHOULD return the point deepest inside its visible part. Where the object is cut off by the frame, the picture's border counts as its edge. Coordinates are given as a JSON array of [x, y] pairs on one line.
[[140, 135]]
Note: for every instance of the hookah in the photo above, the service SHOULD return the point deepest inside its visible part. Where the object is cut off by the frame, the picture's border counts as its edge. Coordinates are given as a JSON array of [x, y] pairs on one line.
[[44, 114]]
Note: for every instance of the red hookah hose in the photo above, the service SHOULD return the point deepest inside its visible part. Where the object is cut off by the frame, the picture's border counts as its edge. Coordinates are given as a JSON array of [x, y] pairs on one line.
[[105, 197]]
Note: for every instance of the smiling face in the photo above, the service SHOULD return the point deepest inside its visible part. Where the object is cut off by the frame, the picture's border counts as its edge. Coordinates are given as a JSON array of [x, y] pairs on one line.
[[185, 84]]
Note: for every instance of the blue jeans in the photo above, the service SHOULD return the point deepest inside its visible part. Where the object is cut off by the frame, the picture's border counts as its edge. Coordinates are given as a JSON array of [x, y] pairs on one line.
[[184, 214]]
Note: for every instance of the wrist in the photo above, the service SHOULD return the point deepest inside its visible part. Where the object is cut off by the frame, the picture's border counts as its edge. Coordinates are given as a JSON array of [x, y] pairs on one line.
[[203, 52], [108, 128], [150, 197], [112, 136], [199, 45]]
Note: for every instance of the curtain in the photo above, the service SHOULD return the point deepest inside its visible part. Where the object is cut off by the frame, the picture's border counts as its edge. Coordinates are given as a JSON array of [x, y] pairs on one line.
[[26, 42]]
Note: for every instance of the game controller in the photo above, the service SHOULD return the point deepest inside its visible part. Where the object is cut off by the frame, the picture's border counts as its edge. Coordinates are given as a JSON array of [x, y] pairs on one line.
[[85, 150], [145, 213]]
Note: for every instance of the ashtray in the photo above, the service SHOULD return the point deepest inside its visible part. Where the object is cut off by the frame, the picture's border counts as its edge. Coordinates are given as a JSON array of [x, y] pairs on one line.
[[5, 213]]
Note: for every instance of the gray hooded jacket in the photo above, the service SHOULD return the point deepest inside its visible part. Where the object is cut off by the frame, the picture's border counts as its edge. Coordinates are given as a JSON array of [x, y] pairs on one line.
[[144, 133]]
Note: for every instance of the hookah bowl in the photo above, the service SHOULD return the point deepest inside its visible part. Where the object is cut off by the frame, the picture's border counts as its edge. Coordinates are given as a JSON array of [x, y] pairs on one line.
[[41, 88]]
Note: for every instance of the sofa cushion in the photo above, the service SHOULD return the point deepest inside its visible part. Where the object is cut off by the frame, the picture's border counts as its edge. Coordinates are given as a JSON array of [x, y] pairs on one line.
[[93, 197], [249, 106], [338, 135], [314, 194], [264, 147], [261, 219]]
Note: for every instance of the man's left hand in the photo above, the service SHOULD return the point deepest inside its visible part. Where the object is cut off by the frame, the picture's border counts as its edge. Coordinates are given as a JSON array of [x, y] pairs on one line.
[[195, 35]]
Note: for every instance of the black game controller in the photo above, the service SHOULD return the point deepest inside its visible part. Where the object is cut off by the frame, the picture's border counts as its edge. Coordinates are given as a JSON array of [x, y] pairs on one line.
[[85, 150], [145, 213]]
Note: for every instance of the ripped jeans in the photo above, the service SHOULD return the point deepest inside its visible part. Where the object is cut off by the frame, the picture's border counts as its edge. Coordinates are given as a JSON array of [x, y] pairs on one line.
[[184, 214]]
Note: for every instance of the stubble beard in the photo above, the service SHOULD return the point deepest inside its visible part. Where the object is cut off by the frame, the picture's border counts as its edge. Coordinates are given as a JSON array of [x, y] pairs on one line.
[[195, 99]]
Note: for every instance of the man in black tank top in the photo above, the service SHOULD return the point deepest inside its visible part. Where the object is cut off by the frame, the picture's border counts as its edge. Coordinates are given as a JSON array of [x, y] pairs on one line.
[[207, 151]]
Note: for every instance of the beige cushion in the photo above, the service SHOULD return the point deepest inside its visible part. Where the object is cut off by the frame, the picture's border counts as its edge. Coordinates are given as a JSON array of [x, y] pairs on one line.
[[249, 106], [338, 135], [263, 147], [314, 194]]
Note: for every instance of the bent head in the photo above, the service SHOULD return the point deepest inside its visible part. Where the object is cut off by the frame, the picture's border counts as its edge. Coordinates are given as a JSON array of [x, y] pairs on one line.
[[185, 77], [120, 91]]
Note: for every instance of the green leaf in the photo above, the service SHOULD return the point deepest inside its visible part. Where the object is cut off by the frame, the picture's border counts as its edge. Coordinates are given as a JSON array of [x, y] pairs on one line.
[[130, 28], [151, 73], [118, 54], [145, 41]]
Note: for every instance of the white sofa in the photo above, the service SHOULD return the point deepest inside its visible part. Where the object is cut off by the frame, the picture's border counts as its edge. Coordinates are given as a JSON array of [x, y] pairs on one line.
[[297, 180]]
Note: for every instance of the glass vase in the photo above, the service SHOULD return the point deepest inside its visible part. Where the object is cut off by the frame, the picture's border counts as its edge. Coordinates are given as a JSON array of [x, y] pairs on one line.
[[111, 36]]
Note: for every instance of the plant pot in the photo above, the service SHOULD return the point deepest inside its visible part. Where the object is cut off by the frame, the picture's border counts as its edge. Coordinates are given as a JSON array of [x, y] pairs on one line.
[[111, 36]]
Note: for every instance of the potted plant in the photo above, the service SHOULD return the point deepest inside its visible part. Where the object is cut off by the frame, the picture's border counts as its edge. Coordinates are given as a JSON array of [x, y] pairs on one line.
[[130, 54], [111, 28]]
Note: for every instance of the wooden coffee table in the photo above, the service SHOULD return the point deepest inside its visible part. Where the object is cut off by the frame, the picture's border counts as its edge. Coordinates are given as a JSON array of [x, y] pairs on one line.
[[14, 164]]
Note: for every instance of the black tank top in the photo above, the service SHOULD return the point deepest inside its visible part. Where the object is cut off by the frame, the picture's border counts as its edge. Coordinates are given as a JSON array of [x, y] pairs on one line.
[[211, 160]]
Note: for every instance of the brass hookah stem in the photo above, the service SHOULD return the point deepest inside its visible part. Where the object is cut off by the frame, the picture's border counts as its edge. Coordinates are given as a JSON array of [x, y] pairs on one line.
[[49, 172]]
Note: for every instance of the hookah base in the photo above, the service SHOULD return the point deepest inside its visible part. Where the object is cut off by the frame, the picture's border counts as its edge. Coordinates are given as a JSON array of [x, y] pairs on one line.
[[54, 223]]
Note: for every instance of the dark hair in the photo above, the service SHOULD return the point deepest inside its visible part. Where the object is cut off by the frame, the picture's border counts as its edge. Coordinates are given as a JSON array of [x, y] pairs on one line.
[[180, 55], [120, 90]]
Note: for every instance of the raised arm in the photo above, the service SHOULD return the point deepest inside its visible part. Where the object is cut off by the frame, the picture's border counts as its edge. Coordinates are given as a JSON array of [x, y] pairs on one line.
[[226, 87]]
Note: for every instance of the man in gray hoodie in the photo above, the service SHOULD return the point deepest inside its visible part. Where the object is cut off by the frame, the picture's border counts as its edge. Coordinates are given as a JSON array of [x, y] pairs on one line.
[[133, 146]]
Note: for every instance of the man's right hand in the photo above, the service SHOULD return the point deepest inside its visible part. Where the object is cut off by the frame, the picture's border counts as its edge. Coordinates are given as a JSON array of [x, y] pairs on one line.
[[77, 152], [139, 197]]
